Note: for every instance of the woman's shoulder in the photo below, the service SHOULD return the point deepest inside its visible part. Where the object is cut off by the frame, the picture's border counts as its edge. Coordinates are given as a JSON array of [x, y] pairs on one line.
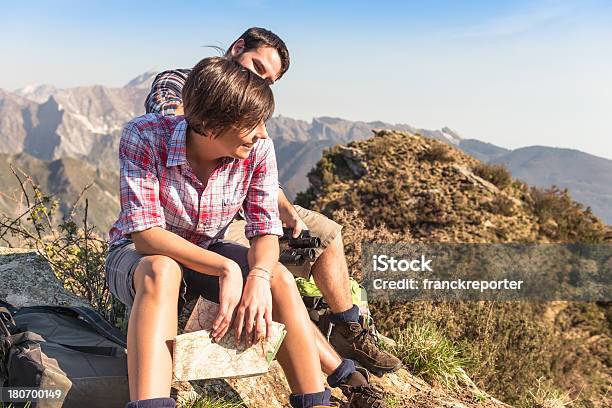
[[155, 123], [153, 130]]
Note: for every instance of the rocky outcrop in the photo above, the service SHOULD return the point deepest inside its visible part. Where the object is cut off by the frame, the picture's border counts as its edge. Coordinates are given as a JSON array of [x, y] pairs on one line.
[[26, 279], [411, 183]]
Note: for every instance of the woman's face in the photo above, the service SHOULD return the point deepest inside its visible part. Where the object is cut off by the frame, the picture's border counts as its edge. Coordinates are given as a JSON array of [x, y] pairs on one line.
[[263, 61], [238, 144]]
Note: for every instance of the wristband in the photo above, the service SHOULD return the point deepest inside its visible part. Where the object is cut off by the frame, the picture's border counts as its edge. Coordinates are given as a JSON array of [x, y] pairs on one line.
[[259, 276], [262, 269]]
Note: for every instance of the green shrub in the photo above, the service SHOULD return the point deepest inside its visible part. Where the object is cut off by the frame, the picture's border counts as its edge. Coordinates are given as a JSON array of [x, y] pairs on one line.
[[545, 395], [494, 173], [563, 219], [74, 251], [437, 152], [212, 402]]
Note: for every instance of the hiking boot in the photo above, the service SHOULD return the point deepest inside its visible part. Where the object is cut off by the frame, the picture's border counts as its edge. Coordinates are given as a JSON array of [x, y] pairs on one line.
[[357, 341], [364, 396]]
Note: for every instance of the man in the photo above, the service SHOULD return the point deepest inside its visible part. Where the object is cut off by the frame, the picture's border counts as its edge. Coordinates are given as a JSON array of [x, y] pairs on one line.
[[264, 53]]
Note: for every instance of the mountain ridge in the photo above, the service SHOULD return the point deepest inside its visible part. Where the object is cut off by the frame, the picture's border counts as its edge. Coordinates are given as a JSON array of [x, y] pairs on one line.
[[85, 123]]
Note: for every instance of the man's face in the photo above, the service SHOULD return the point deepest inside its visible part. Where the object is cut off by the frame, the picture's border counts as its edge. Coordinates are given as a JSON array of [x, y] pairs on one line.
[[263, 61]]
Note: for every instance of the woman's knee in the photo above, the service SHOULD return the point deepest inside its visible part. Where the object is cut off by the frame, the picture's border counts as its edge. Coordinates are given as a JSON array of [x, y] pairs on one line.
[[158, 274]]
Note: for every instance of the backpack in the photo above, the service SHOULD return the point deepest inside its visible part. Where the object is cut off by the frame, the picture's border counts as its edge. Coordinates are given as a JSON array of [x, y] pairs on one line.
[[71, 349], [316, 305]]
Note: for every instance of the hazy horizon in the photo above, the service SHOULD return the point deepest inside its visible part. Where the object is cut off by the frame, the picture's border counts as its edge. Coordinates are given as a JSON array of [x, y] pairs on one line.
[[512, 74]]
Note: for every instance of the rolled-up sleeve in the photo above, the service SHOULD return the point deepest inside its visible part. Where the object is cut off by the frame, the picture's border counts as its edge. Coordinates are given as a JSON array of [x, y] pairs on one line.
[[166, 92], [139, 186], [261, 203]]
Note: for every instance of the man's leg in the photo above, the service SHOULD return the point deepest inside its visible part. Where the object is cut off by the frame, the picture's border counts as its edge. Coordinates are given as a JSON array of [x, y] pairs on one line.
[[349, 334], [330, 273]]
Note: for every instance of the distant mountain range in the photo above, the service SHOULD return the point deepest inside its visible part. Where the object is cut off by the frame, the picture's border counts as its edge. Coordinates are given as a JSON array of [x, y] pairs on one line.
[[46, 129]]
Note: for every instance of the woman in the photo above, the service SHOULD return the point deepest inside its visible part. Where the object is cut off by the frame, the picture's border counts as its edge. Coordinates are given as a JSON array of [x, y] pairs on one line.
[[182, 180]]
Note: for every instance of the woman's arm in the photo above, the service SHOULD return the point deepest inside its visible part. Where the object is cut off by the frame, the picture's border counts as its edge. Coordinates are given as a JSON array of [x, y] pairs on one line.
[[255, 311], [263, 229], [158, 241]]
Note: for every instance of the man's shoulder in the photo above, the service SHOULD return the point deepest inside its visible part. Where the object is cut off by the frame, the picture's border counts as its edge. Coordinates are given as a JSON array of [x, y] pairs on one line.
[[172, 75]]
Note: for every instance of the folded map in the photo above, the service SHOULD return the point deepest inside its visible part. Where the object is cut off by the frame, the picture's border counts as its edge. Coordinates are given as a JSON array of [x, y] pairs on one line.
[[197, 357]]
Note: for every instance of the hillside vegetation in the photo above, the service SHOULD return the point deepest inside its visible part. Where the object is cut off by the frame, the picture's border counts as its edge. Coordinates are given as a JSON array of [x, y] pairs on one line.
[[399, 186]]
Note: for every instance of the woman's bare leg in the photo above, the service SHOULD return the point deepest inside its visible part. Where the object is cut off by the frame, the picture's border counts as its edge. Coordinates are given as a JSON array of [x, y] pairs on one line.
[[329, 357], [298, 354], [152, 327]]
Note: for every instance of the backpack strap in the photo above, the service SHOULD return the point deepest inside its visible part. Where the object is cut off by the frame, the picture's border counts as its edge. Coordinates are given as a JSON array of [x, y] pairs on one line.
[[28, 336], [6, 318], [9, 307], [97, 322]]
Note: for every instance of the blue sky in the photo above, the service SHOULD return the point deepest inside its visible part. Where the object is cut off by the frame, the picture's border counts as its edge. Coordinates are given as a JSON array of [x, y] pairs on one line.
[[511, 73]]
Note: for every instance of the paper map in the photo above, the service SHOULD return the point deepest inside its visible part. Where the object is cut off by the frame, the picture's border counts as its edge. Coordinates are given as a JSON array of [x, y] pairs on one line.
[[197, 357]]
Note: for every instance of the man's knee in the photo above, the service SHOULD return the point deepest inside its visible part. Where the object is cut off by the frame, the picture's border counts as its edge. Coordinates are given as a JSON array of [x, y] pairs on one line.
[[157, 274]]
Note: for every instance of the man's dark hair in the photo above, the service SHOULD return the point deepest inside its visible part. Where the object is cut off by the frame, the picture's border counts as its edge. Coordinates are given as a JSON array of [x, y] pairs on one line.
[[256, 37], [220, 94]]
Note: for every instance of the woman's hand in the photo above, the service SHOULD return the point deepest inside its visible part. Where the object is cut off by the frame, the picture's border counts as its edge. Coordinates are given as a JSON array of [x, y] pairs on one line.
[[255, 311], [230, 289]]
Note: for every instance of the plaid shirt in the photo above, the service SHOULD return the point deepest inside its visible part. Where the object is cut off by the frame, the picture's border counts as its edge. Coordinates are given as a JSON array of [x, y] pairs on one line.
[[166, 91], [159, 188]]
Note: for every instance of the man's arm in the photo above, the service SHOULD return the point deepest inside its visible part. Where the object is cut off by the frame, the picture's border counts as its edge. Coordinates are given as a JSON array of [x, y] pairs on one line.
[[289, 215], [165, 95]]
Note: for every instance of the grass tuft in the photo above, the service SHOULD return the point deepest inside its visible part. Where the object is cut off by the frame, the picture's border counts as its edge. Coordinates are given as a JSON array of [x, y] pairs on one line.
[[205, 401], [430, 355], [546, 395]]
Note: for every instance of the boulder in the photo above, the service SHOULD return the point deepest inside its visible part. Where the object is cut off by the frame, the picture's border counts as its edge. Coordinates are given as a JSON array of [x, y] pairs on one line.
[[26, 279]]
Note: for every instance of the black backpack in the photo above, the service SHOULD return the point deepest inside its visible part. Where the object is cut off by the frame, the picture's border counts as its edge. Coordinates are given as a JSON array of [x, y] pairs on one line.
[[70, 349]]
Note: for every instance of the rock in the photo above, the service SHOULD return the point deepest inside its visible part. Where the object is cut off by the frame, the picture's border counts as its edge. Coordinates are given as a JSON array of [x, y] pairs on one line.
[[354, 160], [476, 179], [26, 279]]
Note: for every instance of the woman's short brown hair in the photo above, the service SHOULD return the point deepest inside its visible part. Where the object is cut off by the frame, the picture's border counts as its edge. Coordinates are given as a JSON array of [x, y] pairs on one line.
[[220, 94]]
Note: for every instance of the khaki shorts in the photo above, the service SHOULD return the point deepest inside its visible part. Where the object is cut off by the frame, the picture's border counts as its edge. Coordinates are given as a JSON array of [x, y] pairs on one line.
[[318, 224]]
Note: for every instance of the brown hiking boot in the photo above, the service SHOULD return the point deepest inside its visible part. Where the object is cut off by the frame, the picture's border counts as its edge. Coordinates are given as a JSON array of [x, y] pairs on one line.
[[358, 342], [364, 396], [360, 393]]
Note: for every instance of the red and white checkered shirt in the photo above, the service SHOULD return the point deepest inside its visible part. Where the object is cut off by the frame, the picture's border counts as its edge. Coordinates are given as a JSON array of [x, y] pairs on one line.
[[159, 188]]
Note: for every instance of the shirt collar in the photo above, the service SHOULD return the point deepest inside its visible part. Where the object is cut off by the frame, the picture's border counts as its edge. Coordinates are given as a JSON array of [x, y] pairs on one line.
[[177, 149]]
